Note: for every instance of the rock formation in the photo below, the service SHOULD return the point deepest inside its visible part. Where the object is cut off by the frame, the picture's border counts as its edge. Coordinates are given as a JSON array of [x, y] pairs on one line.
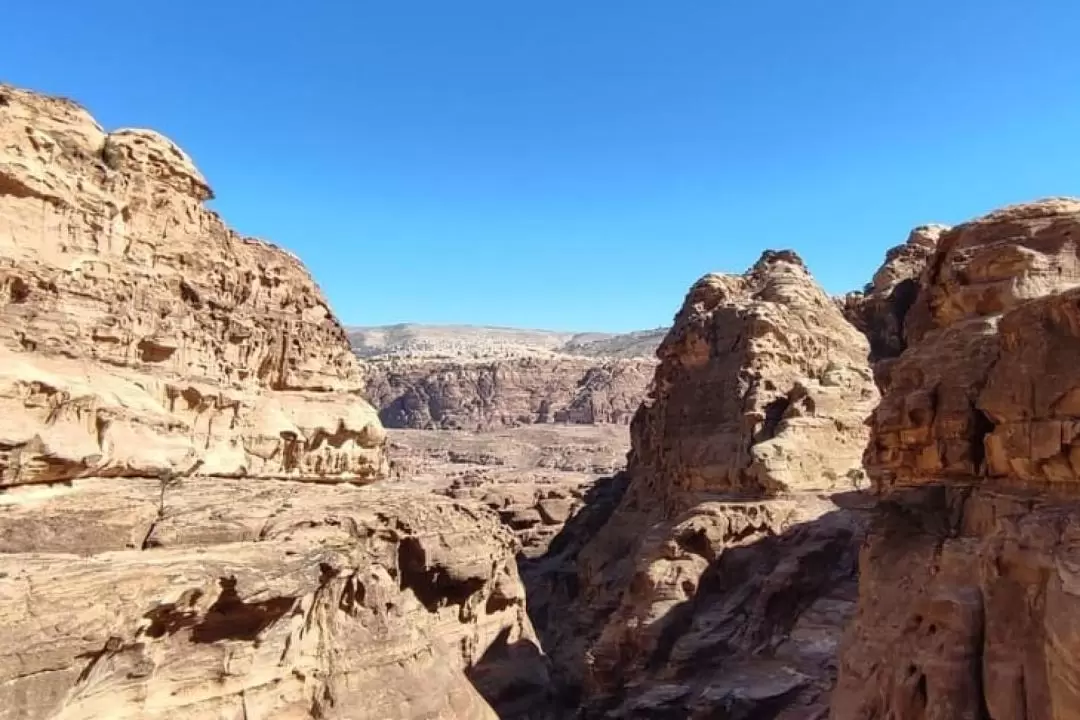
[[181, 439], [879, 310], [719, 584], [489, 394], [139, 334], [249, 598], [968, 589]]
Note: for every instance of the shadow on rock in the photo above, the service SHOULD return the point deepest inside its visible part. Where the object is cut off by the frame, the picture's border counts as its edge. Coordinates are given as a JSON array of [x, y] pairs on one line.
[[755, 635], [514, 679]]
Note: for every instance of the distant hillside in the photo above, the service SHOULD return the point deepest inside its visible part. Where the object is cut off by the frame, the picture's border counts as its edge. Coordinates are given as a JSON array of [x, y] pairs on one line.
[[464, 342], [640, 343]]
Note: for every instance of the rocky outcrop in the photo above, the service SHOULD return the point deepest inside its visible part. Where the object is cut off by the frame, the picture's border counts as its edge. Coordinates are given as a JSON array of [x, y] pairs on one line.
[[879, 310], [249, 598], [181, 440], [502, 393], [968, 590], [722, 580], [140, 334]]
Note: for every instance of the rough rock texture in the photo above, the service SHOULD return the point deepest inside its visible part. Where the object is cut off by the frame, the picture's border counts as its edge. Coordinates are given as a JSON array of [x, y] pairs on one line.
[[722, 580], [181, 436], [879, 310], [535, 477], [499, 393], [138, 333], [253, 598], [969, 591]]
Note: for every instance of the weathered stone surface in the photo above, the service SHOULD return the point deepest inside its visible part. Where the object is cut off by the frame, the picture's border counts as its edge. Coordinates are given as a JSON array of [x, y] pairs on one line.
[[721, 581], [967, 598], [478, 395], [762, 389], [252, 597], [181, 436], [535, 477], [140, 334], [880, 309]]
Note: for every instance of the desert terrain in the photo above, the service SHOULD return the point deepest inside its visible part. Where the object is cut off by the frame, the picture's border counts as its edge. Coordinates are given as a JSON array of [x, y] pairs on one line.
[[216, 501]]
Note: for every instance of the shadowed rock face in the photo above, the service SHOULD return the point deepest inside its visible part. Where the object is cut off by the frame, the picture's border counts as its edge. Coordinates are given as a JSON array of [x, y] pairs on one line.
[[722, 579], [881, 309], [161, 381], [967, 597]]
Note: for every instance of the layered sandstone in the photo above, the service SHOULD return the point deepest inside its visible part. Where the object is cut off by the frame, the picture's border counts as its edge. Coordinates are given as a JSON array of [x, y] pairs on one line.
[[181, 439], [250, 598], [720, 582], [968, 588], [139, 334], [491, 394]]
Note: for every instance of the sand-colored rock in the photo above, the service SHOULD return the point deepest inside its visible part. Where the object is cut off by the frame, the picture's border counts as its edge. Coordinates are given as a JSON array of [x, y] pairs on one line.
[[880, 310], [968, 594], [535, 477], [253, 598], [762, 389], [490, 394], [181, 439], [140, 334], [721, 581]]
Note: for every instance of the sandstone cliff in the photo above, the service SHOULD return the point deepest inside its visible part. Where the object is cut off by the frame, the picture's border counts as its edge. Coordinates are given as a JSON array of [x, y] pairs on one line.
[[721, 581], [487, 394], [138, 333], [165, 385], [968, 593]]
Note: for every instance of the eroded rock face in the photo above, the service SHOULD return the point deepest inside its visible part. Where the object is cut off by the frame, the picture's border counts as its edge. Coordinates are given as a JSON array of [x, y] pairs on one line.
[[967, 592], [722, 580], [140, 334], [256, 598], [181, 437], [484, 395], [879, 311]]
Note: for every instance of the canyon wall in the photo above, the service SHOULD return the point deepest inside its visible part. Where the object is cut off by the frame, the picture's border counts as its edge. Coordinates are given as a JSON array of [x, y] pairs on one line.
[[968, 592], [183, 441], [489, 394]]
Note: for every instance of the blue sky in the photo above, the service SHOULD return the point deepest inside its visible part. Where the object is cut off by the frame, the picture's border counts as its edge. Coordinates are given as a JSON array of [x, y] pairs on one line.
[[577, 164]]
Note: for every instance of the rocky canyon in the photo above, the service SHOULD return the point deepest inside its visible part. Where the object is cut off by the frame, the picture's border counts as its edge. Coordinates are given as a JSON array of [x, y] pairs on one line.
[[218, 502]]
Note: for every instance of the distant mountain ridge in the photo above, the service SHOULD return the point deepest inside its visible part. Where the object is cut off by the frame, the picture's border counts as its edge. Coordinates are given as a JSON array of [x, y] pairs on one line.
[[465, 342]]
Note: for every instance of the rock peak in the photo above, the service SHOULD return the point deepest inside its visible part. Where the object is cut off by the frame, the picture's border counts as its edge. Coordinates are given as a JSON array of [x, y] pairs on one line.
[[772, 257]]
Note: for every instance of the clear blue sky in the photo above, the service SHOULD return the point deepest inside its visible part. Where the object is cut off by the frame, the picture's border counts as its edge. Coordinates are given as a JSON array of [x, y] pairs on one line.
[[576, 164]]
